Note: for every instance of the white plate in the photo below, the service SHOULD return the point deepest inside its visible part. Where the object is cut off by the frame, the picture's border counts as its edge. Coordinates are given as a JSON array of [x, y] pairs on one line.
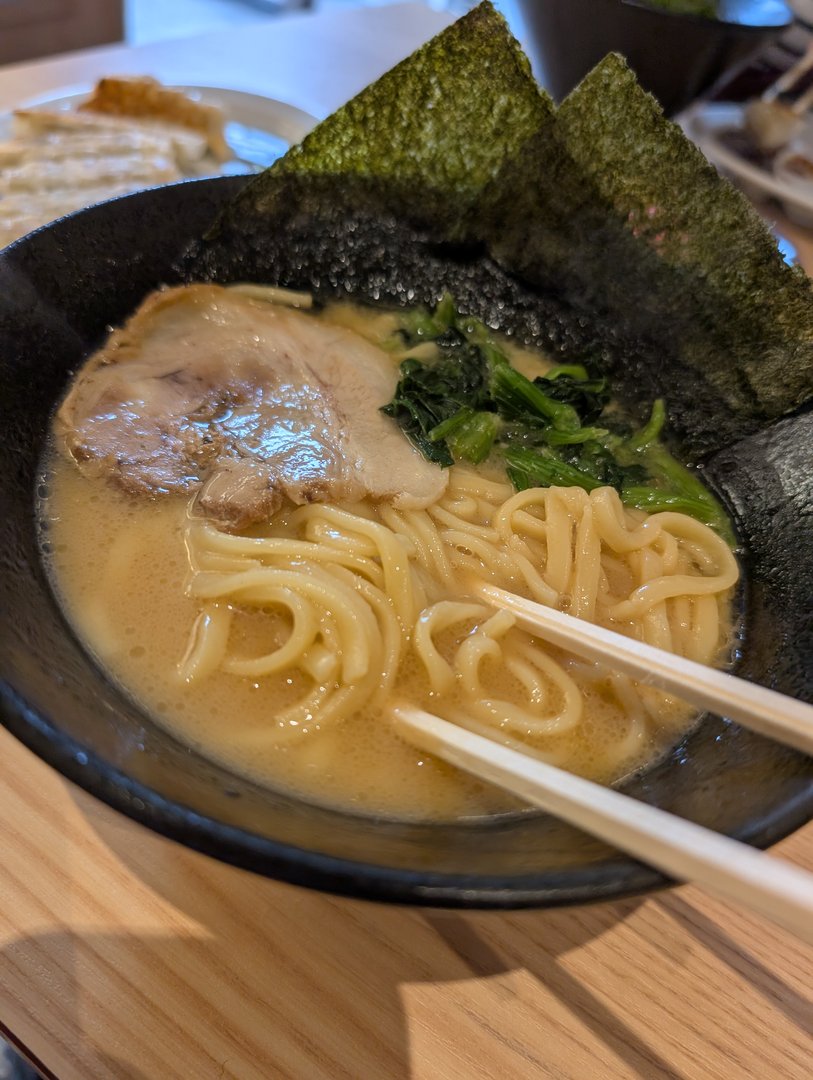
[[705, 123], [259, 128]]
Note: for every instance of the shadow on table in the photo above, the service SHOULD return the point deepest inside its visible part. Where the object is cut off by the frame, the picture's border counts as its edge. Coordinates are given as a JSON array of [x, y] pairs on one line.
[[797, 1008], [322, 986], [303, 972], [367, 1048]]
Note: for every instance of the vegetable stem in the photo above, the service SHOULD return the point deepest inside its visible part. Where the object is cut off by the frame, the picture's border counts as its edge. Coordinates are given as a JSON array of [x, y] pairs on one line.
[[517, 396], [468, 399]]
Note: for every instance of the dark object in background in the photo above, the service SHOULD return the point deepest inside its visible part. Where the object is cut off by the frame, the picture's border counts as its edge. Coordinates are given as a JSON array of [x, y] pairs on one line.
[[753, 78], [60, 288], [32, 28], [676, 57], [13, 1067]]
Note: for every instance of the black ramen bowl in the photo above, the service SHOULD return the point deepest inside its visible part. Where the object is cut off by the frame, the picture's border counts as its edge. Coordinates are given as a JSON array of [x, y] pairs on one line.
[[676, 57], [60, 288]]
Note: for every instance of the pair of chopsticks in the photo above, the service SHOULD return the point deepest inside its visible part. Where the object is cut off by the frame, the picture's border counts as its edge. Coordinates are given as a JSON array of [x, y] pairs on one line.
[[769, 886]]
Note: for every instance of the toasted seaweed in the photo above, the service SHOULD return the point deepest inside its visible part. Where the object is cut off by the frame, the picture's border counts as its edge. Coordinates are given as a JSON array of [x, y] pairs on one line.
[[59, 294], [714, 247], [628, 250], [422, 142], [670, 266]]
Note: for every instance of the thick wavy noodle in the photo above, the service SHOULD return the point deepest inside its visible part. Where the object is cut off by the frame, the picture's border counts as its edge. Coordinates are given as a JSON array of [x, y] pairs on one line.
[[369, 604], [278, 651]]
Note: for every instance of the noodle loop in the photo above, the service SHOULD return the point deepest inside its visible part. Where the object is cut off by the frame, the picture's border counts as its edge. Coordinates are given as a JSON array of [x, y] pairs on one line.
[[361, 593]]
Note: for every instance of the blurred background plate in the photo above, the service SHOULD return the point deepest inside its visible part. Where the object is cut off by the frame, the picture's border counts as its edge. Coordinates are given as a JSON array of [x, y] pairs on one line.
[[259, 129]]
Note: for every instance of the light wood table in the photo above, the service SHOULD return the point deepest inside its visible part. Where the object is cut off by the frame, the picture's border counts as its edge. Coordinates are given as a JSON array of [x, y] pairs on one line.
[[126, 957]]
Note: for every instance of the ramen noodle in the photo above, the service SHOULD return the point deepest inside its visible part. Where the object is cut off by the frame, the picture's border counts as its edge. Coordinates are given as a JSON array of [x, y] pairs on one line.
[[280, 648]]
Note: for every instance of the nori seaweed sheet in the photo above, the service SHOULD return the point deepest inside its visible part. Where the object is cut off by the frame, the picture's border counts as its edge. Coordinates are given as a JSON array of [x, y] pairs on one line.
[[670, 266], [627, 249], [423, 141], [338, 234]]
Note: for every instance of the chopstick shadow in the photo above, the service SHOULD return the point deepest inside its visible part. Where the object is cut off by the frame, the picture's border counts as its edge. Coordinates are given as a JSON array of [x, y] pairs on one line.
[[781, 996], [259, 979], [327, 987], [49, 964], [94, 971], [321, 988]]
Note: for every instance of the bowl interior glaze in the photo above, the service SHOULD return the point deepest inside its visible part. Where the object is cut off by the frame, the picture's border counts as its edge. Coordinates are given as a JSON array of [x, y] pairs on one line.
[[60, 289]]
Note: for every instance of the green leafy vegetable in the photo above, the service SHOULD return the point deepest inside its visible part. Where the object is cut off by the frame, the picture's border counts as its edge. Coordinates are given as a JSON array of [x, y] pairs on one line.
[[651, 431], [543, 468], [674, 486], [638, 254], [571, 384], [429, 394], [419, 325], [470, 401], [469, 435], [518, 398]]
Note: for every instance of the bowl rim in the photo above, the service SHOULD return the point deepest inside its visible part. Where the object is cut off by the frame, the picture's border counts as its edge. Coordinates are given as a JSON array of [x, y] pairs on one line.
[[603, 881], [611, 879]]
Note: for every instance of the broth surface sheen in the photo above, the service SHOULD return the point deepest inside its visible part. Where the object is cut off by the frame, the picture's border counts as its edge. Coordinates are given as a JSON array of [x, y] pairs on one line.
[[121, 565]]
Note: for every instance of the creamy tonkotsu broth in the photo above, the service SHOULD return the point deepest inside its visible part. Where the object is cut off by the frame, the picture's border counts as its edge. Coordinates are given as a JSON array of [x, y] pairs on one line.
[[277, 646]]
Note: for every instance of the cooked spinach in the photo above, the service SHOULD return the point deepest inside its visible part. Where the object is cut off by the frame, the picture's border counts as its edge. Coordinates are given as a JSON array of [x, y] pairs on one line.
[[429, 394], [572, 384], [553, 430], [469, 435]]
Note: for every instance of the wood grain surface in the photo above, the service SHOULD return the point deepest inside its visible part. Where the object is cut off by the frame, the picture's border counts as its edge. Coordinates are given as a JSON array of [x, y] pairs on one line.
[[126, 957]]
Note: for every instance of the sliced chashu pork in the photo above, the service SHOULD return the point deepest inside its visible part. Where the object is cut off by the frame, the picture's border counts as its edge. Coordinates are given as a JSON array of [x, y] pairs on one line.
[[251, 402]]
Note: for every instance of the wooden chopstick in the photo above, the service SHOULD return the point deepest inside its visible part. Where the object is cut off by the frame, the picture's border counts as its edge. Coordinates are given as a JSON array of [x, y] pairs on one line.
[[792, 76], [766, 711], [771, 887], [803, 102]]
